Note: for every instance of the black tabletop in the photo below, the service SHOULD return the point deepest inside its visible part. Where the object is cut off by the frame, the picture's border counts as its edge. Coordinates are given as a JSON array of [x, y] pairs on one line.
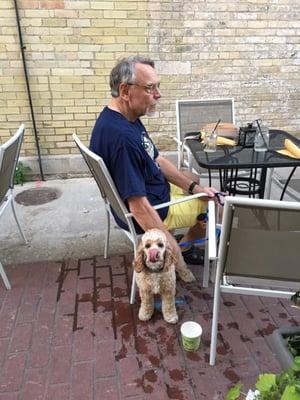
[[241, 157]]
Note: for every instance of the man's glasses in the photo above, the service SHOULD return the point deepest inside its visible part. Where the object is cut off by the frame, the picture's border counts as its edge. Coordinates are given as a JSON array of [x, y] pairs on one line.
[[151, 88]]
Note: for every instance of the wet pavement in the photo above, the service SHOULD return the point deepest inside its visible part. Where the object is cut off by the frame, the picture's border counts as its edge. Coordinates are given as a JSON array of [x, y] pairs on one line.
[[67, 331]]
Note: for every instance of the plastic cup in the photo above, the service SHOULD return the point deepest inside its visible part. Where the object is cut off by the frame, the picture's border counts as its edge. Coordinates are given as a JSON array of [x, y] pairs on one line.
[[191, 335], [261, 141], [210, 142]]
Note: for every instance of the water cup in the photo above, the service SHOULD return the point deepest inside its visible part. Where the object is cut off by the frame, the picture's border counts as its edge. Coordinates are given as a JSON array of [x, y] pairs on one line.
[[191, 335], [261, 140], [210, 141]]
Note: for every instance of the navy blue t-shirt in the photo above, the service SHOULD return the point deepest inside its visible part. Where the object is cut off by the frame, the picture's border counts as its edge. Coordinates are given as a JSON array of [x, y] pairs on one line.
[[129, 155]]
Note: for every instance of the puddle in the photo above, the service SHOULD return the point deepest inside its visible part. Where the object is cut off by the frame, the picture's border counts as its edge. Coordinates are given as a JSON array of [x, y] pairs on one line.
[[37, 196]]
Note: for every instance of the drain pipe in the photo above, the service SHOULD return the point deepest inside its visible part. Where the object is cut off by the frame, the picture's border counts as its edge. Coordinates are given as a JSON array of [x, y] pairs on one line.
[[29, 93]]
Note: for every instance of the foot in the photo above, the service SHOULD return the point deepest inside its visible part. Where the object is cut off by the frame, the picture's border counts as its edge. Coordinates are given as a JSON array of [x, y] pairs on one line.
[[171, 319], [145, 314], [194, 256]]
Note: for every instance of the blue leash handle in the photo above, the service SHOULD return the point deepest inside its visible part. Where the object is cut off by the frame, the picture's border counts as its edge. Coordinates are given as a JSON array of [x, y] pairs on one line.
[[198, 241]]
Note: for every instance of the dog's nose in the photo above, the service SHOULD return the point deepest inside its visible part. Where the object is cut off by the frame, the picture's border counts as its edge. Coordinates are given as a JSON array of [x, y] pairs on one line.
[[153, 255]]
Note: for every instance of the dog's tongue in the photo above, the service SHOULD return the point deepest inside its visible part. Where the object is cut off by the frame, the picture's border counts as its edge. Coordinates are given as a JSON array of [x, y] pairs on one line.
[[153, 255]]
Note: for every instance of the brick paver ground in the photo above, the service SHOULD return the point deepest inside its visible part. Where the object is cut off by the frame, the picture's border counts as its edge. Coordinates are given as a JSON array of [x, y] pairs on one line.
[[67, 331]]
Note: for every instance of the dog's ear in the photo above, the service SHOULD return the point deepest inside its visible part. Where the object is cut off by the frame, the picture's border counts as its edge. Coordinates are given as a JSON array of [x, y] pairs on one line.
[[170, 258], [138, 262]]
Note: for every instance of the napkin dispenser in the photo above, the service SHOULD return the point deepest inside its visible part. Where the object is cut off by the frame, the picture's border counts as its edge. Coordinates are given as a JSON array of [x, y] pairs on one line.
[[247, 135]]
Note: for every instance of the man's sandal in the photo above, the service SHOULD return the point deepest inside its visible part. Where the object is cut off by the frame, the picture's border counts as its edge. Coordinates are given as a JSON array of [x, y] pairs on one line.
[[194, 256]]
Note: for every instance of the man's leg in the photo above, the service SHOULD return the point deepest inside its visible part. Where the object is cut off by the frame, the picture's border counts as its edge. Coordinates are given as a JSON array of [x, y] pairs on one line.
[[188, 215]]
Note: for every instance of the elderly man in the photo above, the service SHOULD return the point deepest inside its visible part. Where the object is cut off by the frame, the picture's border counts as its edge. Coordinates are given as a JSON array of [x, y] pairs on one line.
[[141, 175]]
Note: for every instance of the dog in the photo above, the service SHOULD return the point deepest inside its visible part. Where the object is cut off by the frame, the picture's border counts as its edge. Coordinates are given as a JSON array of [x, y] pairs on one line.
[[154, 265]]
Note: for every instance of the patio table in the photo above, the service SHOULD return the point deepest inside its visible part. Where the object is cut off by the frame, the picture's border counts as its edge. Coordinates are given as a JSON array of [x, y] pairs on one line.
[[230, 161]]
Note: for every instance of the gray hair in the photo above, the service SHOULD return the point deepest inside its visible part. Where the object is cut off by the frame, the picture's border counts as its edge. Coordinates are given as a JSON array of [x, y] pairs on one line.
[[124, 72]]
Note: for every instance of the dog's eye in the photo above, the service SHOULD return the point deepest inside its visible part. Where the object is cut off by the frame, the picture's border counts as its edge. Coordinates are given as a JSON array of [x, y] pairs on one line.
[[160, 244], [147, 245]]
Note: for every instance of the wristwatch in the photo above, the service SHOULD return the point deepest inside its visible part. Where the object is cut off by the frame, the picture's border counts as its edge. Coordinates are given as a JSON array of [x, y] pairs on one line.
[[191, 187]]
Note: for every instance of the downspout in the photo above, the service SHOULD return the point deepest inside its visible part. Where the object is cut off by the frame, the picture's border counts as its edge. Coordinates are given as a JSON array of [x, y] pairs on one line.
[[28, 92]]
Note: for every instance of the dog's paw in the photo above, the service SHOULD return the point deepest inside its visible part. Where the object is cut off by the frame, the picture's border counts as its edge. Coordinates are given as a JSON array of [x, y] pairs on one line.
[[145, 315], [186, 275], [171, 319]]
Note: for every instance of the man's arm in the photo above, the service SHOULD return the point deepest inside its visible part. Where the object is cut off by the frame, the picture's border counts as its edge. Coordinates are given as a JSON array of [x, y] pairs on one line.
[[147, 217], [173, 175]]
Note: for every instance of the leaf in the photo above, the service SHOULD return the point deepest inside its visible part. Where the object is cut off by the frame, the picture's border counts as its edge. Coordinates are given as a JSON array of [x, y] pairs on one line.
[[266, 382], [290, 393], [234, 392], [297, 360]]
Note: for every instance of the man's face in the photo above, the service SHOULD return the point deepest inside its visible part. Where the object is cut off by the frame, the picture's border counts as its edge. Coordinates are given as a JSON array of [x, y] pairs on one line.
[[143, 93]]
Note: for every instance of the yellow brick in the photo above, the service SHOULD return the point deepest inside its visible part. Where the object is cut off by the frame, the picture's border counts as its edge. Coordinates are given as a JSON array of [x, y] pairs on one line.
[[57, 151], [138, 15], [91, 31], [65, 144], [54, 22], [74, 124], [113, 47], [77, 87], [85, 116], [76, 110], [72, 79], [102, 5], [130, 23], [125, 5], [115, 14], [114, 31], [6, 79], [130, 39], [62, 117], [105, 56], [104, 23], [136, 48]]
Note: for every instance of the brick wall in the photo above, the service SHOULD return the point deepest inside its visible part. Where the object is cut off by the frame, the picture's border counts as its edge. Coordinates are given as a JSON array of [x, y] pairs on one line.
[[248, 50]]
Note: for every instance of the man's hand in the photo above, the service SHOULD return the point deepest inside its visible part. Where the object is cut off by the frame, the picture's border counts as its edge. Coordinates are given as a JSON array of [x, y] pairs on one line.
[[210, 191]]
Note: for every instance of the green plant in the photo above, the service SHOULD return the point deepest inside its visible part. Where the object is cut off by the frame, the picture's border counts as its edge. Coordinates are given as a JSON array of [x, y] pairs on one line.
[[283, 386], [296, 299], [21, 170], [293, 342]]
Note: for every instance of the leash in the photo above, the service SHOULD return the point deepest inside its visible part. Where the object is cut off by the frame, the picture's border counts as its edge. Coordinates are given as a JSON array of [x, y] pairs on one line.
[[198, 241]]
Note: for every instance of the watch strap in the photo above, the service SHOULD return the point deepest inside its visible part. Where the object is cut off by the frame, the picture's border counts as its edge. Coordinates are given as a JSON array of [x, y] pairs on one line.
[[191, 187]]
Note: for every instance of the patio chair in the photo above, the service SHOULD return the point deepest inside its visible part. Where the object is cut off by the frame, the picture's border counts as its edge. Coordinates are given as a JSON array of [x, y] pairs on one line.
[[111, 198], [193, 114], [258, 252], [9, 154]]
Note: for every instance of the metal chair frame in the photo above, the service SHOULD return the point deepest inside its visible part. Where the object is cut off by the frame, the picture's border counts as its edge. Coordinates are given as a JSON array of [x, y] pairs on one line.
[[207, 113], [111, 198], [235, 277], [9, 155]]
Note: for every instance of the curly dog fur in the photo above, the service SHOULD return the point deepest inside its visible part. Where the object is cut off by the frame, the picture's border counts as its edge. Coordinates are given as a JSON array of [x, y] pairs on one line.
[[155, 268]]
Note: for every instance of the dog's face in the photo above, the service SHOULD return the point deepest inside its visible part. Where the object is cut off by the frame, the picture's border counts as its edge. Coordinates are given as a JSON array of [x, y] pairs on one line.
[[154, 244]]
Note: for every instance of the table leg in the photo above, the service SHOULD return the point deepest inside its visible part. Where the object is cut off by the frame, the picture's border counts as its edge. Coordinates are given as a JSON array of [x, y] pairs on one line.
[[263, 177], [268, 183], [287, 182]]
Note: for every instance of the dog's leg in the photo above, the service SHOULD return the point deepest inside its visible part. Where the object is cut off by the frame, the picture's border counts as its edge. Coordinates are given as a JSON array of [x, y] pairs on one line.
[[168, 307], [147, 305], [184, 273]]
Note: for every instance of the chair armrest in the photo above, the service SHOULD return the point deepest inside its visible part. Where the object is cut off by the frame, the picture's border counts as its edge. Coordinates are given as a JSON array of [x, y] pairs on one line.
[[177, 140], [181, 200], [212, 243], [177, 201]]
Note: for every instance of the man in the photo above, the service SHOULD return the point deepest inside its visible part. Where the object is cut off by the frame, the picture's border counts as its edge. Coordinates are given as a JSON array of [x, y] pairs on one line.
[[141, 175]]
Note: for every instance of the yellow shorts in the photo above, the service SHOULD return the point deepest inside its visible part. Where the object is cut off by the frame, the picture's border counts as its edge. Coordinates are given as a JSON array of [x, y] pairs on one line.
[[183, 215]]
